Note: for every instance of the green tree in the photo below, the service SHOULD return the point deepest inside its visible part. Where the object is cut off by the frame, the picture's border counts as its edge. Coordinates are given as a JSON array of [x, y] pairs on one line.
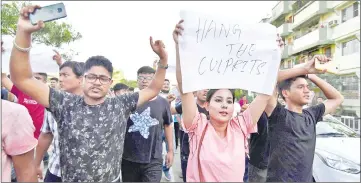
[[54, 34], [130, 83], [238, 93], [118, 75]]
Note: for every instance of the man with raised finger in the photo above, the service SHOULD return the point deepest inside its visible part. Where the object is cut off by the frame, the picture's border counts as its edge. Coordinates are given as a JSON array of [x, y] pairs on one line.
[[91, 127]]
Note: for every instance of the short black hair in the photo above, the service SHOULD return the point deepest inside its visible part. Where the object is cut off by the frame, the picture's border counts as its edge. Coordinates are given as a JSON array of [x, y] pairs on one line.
[[286, 84], [120, 86], [211, 92], [99, 61], [76, 67], [54, 79], [131, 89], [145, 70], [43, 74], [166, 80]]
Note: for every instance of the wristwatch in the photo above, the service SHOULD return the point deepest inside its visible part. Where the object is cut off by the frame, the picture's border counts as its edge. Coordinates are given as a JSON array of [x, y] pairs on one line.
[[162, 67]]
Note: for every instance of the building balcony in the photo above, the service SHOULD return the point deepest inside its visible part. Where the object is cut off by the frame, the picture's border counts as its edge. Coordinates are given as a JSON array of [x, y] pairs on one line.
[[280, 10], [287, 52], [335, 4], [342, 30], [284, 29], [351, 104], [313, 10], [315, 38]]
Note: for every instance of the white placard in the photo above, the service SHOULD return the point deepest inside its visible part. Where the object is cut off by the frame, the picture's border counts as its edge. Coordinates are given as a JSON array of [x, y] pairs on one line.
[[41, 57], [223, 53]]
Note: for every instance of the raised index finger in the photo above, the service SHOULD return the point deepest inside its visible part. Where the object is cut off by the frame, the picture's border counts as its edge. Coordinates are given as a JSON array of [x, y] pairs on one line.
[[56, 52], [151, 42]]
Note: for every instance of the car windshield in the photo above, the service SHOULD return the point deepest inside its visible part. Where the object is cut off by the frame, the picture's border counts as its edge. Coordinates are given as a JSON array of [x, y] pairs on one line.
[[331, 127]]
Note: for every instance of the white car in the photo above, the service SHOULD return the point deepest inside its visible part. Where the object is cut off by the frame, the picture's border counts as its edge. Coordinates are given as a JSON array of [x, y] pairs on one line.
[[337, 155]]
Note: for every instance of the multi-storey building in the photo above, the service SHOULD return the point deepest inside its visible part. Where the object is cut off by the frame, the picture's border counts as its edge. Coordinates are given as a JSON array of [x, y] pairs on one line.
[[323, 27]]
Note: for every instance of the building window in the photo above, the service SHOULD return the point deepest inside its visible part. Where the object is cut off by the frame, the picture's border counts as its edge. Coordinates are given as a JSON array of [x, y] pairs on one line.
[[290, 19], [328, 52], [350, 12], [290, 64], [350, 87], [350, 47]]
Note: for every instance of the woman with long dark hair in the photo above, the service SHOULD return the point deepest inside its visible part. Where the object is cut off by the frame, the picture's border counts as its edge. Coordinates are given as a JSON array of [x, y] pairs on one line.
[[218, 144]]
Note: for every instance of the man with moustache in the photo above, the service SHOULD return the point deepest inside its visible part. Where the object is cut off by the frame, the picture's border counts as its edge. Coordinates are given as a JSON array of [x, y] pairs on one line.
[[91, 127]]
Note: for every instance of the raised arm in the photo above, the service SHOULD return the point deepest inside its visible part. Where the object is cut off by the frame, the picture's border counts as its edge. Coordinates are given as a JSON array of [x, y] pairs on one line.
[[334, 97], [157, 83], [257, 106], [307, 68], [20, 69], [283, 75], [189, 106], [57, 58]]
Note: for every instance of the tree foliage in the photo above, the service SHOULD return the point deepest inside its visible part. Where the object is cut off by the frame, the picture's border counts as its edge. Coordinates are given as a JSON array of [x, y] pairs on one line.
[[130, 83], [118, 75], [54, 33]]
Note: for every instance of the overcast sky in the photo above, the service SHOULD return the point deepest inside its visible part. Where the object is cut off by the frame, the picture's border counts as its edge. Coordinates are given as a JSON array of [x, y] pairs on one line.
[[120, 30]]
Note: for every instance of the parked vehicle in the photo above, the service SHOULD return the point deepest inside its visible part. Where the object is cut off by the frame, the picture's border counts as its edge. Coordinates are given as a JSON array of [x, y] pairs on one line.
[[337, 155]]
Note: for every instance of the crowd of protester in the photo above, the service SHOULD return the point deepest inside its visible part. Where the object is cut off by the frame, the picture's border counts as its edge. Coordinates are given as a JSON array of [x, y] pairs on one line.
[[100, 131]]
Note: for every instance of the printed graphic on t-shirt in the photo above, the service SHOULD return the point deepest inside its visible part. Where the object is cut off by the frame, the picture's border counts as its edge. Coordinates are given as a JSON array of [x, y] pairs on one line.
[[142, 122]]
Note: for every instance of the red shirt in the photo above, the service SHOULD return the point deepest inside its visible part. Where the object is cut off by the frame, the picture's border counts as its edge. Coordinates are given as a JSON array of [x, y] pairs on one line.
[[35, 110]]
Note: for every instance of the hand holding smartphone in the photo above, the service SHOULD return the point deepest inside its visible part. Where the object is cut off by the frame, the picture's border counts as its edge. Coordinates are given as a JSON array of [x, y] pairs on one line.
[[48, 13], [330, 67]]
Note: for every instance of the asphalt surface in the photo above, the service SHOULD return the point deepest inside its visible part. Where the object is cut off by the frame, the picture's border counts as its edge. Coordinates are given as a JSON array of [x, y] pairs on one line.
[[176, 170]]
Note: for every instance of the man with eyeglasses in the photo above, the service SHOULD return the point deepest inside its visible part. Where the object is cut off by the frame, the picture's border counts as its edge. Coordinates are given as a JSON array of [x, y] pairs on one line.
[[91, 127], [142, 158]]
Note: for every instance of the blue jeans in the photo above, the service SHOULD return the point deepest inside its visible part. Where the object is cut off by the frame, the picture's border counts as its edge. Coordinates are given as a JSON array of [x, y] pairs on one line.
[[245, 176], [49, 177], [184, 145]]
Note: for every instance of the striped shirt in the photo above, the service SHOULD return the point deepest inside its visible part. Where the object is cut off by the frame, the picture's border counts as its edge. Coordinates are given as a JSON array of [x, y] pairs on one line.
[[51, 126]]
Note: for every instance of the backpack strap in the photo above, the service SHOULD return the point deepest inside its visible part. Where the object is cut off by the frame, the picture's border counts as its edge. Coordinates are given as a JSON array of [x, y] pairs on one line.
[[244, 134], [199, 150]]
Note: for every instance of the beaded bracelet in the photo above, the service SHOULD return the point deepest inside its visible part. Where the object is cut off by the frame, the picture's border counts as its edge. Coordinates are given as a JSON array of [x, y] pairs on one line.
[[21, 49]]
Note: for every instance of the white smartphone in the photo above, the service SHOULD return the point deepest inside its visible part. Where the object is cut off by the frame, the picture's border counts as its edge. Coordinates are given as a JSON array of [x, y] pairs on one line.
[[331, 67], [48, 13]]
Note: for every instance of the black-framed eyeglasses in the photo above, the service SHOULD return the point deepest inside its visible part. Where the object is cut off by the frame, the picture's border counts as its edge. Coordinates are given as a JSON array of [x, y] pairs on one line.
[[91, 78], [142, 78]]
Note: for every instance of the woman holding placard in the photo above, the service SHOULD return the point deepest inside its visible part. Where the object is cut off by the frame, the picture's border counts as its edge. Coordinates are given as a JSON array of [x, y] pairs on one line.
[[217, 146]]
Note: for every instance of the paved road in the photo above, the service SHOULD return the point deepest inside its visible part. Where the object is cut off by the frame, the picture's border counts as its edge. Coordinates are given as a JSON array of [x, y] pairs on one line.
[[176, 169]]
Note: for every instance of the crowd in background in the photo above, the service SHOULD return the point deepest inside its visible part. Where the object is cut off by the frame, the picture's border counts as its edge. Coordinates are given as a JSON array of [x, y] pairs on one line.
[[102, 133]]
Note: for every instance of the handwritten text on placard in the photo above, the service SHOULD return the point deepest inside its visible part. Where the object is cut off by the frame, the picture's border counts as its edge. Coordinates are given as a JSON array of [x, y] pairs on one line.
[[218, 53]]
